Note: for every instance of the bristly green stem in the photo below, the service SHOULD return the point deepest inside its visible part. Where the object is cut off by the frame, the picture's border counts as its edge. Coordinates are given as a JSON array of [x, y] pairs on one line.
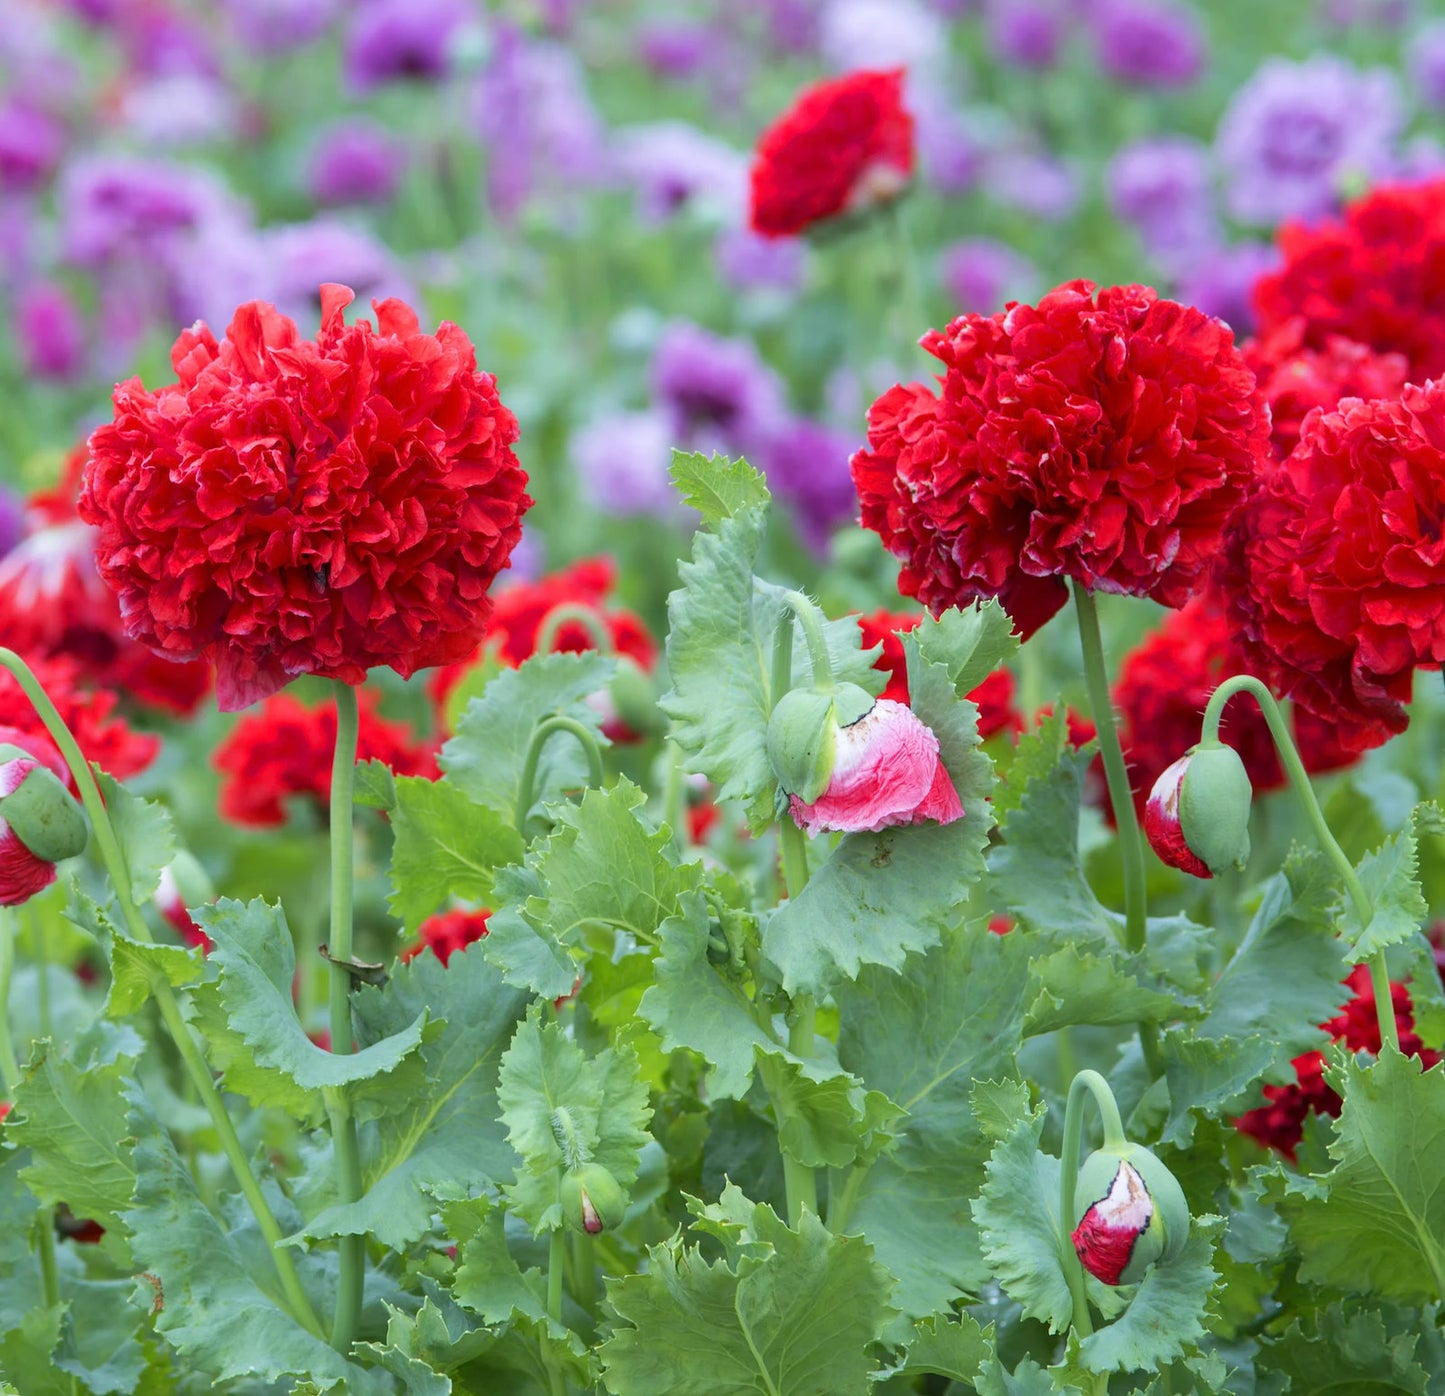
[[343, 1122], [1131, 841], [1289, 758], [811, 619], [110, 852], [542, 733]]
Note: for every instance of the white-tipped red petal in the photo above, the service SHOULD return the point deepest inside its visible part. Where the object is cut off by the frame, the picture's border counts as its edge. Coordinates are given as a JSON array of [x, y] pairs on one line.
[[1161, 822], [22, 874], [1109, 1230]]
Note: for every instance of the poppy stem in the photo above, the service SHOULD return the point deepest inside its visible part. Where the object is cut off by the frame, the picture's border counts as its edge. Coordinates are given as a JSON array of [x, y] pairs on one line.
[[811, 619], [1294, 768], [542, 733], [571, 613], [9, 1066]]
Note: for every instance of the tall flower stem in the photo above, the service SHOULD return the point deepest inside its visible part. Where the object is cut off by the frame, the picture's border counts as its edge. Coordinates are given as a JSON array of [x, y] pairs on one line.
[[9, 1066], [907, 297], [343, 1122], [1092, 1083], [1131, 841], [165, 996], [1289, 758]]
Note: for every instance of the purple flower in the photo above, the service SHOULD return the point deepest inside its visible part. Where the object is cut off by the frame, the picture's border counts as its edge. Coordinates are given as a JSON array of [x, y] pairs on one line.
[[31, 144], [980, 275], [391, 40], [1375, 14], [279, 26], [718, 393], [952, 150], [881, 34], [807, 467], [1025, 33], [675, 48], [1221, 283], [622, 464], [355, 162], [792, 25], [51, 332], [1296, 131], [748, 262], [302, 256], [1425, 57], [12, 519], [180, 109], [1037, 183], [672, 164], [1148, 43], [1162, 187]]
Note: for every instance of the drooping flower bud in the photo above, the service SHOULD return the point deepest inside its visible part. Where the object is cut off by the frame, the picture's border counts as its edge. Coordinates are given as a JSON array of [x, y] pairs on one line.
[[592, 1199], [884, 770], [1197, 814], [803, 735], [40, 823], [1130, 1213]]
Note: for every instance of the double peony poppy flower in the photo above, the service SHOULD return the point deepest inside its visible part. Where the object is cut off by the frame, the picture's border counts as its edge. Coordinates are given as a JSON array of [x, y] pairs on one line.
[[294, 506]]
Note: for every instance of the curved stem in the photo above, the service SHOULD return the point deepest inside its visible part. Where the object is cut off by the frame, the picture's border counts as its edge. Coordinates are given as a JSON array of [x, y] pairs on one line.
[[542, 733], [36, 939], [811, 619], [166, 1001], [343, 1123], [569, 612], [1299, 780]]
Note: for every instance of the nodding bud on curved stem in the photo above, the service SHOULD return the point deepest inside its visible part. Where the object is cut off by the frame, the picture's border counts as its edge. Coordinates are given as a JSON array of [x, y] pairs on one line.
[[1197, 815], [40, 823], [1131, 1212]]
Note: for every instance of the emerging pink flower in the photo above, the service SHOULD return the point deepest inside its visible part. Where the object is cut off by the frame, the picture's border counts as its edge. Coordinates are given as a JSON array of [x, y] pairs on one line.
[[886, 771], [1106, 1236], [39, 825]]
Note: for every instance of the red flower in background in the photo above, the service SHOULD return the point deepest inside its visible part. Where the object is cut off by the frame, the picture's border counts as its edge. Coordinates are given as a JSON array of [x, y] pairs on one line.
[[1107, 442], [1294, 378], [1335, 569], [285, 749], [1280, 1123], [845, 145], [53, 603], [308, 507], [1376, 276], [448, 932]]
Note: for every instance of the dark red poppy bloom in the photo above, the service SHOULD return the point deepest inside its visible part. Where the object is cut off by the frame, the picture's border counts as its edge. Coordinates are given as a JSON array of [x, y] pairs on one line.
[[448, 932], [1376, 275], [1335, 569], [1102, 440], [285, 750], [1294, 378], [845, 145], [292, 506]]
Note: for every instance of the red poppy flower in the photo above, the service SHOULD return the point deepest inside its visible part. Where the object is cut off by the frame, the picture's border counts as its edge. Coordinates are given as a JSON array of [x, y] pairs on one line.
[[1335, 569], [845, 145], [1107, 442], [308, 507], [448, 932], [286, 750], [1376, 275]]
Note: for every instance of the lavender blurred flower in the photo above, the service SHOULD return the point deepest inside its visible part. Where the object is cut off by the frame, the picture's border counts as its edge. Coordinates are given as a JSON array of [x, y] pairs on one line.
[[806, 464], [180, 109], [952, 145], [302, 256], [792, 25], [279, 26], [51, 332], [747, 262], [1374, 14], [1425, 59], [1221, 283], [12, 519], [675, 48], [392, 40], [1148, 43], [981, 274], [355, 161], [717, 393], [31, 144], [1295, 131], [673, 165], [1422, 157], [1033, 181], [622, 464], [881, 34], [1163, 187], [1025, 33]]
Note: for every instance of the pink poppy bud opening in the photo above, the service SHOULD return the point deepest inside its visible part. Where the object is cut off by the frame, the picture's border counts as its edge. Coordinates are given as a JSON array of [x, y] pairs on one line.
[[1161, 822], [38, 804], [1110, 1229], [886, 771]]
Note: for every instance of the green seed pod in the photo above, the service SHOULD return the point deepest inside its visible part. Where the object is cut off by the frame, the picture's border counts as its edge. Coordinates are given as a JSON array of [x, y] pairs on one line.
[[1214, 801], [634, 696], [35, 803], [1129, 1213], [592, 1199], [803, 735]]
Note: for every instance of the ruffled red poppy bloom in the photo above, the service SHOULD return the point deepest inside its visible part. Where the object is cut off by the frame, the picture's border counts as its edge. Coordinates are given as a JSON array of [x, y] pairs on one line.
[[1105, 441], [1335, 569], [1294, 378], [1279, 1124], [292, 506], [448, 932], [1376, 275], [285, 750], [845, 145], [54, 603]]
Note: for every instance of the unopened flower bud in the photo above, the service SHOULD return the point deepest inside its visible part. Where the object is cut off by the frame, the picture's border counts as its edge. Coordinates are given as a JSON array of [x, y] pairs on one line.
[[592, 1199], [1129, 1213], [40, 823], [803, 735], [634, 697], [1197, 815]]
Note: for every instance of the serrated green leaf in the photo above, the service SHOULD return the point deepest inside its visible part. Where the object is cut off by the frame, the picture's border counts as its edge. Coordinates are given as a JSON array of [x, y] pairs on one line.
[[828, 1122], [99, 1340], [145, 831], [488, 1280], [1073, 986], [486, 758], [1035, 754], [969, 643], [1000, 1106], [1335, 1350], [256, 961], [1165, 1315], [953, 1347], [19, 1270], [446, 845], [528, 956], [717, 487], [786, 1313], [922, 1038], [1374, 1223], [1209, 1076], [375, 785], [563, 1109], [1390, 876], [26, 1354], [693, 1004], [1027, 1379], [443, 1137]]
